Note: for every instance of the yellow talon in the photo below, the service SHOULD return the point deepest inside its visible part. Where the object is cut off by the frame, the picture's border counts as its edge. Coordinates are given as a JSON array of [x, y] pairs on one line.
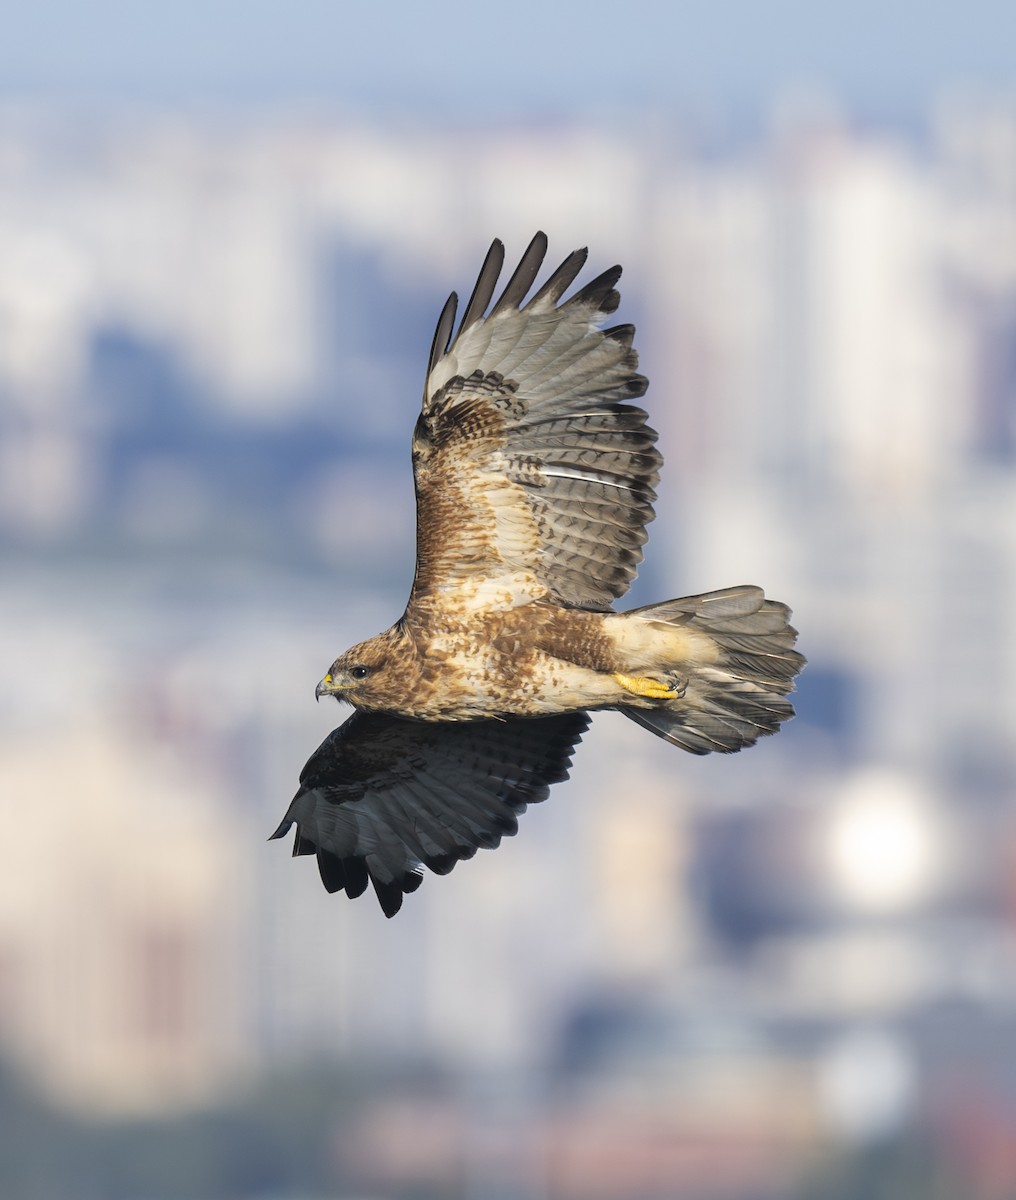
[[652, 689]]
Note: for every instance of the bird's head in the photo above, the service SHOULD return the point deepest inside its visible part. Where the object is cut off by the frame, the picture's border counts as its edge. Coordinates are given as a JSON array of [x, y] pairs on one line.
[[362, 676]]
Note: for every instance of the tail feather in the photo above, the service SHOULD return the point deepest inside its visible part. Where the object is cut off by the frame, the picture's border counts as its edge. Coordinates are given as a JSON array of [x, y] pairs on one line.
[[736, 694]]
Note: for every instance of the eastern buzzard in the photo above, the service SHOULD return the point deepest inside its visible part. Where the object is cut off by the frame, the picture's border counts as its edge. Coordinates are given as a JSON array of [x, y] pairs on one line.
[[534, 485]]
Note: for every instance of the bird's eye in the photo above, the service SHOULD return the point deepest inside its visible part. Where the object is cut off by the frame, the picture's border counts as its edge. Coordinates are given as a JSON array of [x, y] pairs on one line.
[[359, 672]]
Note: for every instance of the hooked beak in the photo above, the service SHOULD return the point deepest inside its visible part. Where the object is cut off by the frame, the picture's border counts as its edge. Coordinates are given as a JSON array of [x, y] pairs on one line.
[[328, 687]]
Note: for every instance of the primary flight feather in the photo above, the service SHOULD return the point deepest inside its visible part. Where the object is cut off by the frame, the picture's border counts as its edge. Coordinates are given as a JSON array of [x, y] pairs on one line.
[[534, 484]]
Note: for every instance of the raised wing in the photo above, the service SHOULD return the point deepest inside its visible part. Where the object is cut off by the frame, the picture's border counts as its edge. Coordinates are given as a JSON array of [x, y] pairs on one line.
[[534, 476], [383, 796]]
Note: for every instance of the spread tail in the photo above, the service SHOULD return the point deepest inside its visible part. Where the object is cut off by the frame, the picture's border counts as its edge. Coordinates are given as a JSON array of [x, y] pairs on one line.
[[733, 687]]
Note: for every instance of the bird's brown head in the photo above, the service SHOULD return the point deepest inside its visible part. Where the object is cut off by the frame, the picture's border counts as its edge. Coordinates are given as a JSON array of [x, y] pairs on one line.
[[366, 675]]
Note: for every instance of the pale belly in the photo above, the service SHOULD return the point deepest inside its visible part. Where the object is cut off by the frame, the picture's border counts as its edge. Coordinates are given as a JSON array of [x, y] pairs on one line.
[[539, 685], [556, 686]]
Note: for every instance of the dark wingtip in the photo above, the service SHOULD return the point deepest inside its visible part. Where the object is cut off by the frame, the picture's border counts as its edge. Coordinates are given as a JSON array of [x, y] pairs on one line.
[[443, 332], [330, 869], [601, 291], [483, 290], [285, 826], [524, 275], [562, 278], [389, 895]]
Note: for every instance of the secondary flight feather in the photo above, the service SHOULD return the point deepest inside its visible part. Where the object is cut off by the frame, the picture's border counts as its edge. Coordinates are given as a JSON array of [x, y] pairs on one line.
[[535, 479]]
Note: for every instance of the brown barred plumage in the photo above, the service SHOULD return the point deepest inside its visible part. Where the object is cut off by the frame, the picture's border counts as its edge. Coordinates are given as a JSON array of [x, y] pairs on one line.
[[535, 479]]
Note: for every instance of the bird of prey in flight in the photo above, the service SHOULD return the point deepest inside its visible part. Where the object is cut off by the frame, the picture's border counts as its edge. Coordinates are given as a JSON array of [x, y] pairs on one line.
[[534, 476]]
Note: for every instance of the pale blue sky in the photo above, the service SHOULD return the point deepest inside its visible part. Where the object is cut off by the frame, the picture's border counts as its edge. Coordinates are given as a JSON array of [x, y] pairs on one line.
[[522, 57]]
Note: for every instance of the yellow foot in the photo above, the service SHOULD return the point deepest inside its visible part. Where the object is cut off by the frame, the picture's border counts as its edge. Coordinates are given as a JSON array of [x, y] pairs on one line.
[[652, 689]]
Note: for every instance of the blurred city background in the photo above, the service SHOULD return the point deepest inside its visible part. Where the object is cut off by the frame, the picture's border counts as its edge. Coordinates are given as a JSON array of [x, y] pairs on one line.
[[784, 975]]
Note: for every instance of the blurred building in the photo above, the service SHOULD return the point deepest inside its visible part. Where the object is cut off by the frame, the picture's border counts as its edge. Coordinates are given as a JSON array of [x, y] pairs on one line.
[[120, 980], [211, 341]]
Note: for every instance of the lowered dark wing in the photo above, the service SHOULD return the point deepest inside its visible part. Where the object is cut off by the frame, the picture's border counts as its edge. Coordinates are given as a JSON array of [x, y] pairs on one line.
[[533, 472], [382, 797]]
